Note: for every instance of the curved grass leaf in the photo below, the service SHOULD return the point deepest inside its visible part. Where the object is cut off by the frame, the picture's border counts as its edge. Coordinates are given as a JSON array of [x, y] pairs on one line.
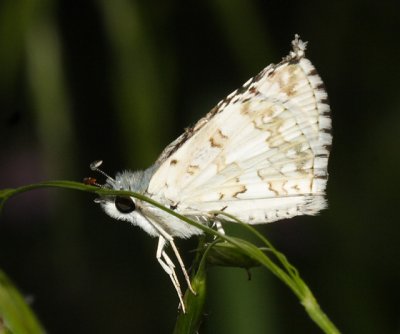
[[278, 264], [15, 314]]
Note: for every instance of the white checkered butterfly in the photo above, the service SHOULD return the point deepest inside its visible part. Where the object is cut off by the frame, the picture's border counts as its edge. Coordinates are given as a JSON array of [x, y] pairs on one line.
[[261, 155]]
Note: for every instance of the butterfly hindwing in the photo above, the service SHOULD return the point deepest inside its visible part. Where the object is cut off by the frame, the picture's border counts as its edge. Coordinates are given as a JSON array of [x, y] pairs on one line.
[[261, 154]]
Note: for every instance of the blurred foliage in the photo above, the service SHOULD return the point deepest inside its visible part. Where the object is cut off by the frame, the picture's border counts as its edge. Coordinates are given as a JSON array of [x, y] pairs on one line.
[[15, 314], [120, 79]]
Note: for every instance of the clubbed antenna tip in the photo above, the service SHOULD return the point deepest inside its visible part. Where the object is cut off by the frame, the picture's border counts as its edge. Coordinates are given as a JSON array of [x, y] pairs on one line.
[[94, 166]]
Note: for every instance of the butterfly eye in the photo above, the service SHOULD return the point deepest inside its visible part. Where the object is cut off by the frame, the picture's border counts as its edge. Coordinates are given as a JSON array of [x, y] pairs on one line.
[[124, 204]]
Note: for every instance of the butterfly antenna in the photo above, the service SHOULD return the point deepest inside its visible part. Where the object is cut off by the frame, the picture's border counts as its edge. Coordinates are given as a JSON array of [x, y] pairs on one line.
[[94, 166]]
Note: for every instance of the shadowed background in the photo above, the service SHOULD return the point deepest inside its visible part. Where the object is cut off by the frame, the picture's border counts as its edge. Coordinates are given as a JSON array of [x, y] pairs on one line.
[[119, 80]]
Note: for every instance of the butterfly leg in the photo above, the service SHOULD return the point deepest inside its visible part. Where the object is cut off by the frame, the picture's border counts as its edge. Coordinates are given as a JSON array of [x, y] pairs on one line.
[[168, 238], [169, 268], [183, 268], [219, 227]]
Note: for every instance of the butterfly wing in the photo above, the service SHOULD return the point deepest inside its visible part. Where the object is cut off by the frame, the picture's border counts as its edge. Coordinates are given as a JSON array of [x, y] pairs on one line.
[[261, 154]]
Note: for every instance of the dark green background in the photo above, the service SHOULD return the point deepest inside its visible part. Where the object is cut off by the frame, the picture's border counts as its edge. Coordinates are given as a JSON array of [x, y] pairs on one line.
[[118, 80]]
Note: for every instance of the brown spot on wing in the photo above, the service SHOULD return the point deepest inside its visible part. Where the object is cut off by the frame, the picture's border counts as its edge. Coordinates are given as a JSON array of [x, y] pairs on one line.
[[218, 139], [192, 169], [233, 192], [296, 187], [288, 79], [241, 191], [276, 192], [245, 109]]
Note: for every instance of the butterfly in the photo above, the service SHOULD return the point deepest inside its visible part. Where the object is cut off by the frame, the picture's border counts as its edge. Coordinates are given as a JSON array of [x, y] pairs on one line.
[[260, 154]]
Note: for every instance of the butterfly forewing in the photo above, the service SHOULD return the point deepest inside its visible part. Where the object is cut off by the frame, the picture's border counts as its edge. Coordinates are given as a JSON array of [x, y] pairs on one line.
[[261, 154]]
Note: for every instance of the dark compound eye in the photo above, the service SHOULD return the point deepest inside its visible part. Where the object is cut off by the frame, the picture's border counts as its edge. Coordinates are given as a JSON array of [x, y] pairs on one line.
[[124, 204]]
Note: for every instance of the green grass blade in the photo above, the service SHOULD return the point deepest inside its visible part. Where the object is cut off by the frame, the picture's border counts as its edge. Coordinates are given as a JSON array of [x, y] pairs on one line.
[[190, 322], [15, 314]]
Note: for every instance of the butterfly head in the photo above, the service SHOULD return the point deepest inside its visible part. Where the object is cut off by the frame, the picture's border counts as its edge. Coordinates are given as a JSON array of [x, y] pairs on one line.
[[123, 207]]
